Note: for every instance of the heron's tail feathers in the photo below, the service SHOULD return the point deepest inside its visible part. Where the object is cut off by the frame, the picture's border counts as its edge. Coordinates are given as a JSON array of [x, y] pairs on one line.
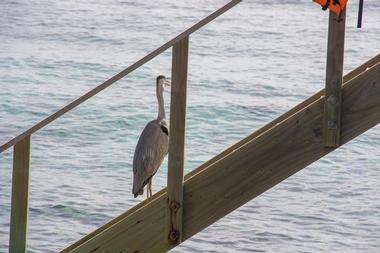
[[137, 189], [141, 192]]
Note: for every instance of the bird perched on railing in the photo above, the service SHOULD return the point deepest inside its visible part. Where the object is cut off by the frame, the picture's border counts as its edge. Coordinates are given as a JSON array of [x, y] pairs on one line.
[[152, 146]]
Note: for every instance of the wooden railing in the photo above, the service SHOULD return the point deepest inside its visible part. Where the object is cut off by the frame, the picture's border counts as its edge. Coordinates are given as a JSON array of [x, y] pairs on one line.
[[22, 142], [244, 170]]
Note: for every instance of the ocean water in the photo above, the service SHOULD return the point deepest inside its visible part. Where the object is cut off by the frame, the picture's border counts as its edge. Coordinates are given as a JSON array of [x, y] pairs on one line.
[[245, 69]]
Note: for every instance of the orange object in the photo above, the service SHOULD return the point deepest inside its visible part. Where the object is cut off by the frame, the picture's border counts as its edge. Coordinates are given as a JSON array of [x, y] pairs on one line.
[[334, 5]]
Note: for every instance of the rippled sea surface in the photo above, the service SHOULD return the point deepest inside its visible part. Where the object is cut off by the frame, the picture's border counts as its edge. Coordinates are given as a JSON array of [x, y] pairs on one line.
[[246, 68]]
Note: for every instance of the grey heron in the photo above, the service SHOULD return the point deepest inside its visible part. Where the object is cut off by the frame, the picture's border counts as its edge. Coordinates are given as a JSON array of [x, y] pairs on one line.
[[152, 146]]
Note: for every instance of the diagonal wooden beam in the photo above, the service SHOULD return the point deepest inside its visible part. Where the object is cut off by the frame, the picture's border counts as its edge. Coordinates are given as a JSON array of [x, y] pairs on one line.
[[252, 168], [277, 154]]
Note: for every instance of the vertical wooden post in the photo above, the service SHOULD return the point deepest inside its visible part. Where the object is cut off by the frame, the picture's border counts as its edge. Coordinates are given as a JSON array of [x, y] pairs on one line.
[[20, 191], [177, 141], [334, 79]]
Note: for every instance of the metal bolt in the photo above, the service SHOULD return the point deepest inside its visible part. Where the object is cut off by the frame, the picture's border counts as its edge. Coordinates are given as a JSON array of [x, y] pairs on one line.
[[174, 236], [331, 124], [332, 100], [174, 206]]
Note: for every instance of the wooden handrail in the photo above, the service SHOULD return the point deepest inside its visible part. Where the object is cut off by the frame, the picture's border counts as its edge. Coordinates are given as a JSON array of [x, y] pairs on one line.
[[118, 76]]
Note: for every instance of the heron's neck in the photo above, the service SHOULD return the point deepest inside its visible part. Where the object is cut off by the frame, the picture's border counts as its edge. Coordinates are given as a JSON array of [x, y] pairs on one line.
[[161, 106]]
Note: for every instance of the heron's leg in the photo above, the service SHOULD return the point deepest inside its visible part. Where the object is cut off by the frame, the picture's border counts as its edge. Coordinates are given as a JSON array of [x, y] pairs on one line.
[[150, 186], [147, 190]]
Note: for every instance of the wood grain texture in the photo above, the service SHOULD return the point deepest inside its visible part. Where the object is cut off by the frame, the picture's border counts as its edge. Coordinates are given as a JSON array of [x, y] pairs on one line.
[[118, 76], [177, 141], [246, 172], [334, 79], [20, 196]]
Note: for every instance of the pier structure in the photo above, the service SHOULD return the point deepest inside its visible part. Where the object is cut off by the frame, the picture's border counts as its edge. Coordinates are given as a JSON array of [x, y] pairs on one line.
[[346, 108]]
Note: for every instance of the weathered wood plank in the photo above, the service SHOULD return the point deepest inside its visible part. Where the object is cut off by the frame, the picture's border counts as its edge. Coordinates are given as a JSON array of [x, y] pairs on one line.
[[20, 196], [177, 141], [334, 79], [120, 75], [247, 172]]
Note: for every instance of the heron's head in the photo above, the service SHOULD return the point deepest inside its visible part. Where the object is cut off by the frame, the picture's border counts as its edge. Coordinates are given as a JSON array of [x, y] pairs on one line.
[[162, 82]]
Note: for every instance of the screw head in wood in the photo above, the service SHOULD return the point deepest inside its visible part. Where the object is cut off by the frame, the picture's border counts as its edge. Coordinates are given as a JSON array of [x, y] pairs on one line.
[[174, 206], [332, 100], [174, 236], [331, 124]]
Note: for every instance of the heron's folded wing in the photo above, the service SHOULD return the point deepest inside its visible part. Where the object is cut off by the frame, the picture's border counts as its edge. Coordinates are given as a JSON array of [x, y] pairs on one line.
[[150, 151]]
